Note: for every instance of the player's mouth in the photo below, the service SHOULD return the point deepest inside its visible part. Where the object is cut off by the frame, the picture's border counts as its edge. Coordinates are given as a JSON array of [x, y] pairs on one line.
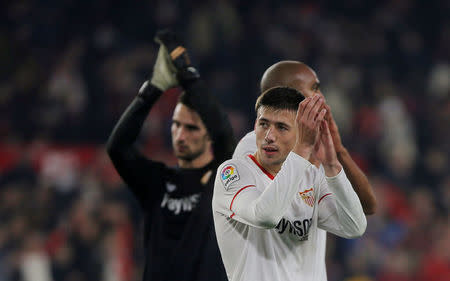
[[181, 148], [270, 150]]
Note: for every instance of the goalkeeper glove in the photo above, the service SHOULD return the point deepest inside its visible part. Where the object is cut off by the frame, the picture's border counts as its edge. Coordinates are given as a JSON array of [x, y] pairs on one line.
[[178, 55], [164, 72]]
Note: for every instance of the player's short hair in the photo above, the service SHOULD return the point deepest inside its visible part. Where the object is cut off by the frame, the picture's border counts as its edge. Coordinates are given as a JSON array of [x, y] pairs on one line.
[[279, 98]]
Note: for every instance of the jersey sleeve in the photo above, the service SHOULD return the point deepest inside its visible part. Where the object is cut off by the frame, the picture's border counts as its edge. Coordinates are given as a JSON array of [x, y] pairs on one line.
[[142, 175], [214, 118], [246, 146], [237, 195], [340, 211]]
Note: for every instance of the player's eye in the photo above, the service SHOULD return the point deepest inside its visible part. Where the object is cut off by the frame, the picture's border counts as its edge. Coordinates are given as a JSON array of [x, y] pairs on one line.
[[192, 128], [282, 128], [263, 124], [316, 87]]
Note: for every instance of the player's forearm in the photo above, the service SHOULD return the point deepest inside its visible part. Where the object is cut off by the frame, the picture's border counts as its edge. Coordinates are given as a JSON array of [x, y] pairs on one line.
[[269, 207], [359, 182], [130, 123], [214, 117], [350, 218]]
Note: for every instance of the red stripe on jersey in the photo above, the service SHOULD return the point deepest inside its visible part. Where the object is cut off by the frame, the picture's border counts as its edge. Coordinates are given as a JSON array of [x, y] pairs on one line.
[[261, 167], [323, 197], [231, 205]]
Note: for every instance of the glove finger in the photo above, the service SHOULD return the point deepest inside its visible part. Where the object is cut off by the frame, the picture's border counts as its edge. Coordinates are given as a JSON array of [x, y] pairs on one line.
[[175, 49], [164, 73], [167, 38], [167, 59]]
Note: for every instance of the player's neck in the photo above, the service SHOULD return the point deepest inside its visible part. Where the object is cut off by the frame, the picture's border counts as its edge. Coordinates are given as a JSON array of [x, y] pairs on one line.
[[271, 169], [199, 162]]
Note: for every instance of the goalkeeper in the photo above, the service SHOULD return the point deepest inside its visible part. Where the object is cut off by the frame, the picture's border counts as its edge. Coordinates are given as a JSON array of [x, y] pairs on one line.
[[179, 237]]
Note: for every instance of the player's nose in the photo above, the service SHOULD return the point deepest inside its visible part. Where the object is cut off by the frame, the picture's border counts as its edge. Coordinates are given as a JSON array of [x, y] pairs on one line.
[[180, 134], [270, 135]]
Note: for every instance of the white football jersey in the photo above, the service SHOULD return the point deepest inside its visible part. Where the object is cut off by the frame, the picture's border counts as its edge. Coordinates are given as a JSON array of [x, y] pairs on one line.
[[267, 227], [246, 146]]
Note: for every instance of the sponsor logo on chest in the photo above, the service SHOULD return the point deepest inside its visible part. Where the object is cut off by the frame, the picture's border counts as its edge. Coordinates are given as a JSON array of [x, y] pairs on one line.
[[298, 228], [183, 204]]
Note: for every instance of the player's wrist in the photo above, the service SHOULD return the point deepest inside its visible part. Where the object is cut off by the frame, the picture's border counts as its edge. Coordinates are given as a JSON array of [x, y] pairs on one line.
[[148, 91], [303, 150], [341, 151], [188, 75], [332, 169], [158, 84]]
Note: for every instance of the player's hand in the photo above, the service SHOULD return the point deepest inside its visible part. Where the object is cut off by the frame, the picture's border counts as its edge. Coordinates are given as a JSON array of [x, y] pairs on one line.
[[178, 55], [325, 151], [164, 72], [308, 120], [334, 130]]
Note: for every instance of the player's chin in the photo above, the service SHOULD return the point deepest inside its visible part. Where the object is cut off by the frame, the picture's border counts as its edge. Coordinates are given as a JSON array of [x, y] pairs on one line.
[[271, 159], [184, 155]]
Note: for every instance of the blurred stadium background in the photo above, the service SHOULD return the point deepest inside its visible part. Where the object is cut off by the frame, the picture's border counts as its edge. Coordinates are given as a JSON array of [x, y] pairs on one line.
[[70, 67]]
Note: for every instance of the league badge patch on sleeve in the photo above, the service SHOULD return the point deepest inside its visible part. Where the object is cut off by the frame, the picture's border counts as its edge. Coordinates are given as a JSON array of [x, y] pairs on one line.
[[229, 174]]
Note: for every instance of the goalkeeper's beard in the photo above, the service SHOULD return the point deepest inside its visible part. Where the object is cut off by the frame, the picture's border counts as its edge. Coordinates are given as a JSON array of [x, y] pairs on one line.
[[188, 154]]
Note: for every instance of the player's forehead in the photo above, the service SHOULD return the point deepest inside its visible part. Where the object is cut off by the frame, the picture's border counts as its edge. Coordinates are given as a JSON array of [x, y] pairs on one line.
[[291, 74], [275, 115], [306, 78], [187, 116]]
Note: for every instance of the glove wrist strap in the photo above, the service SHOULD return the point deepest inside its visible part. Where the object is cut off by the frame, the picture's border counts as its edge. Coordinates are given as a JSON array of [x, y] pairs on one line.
[[188, 75]]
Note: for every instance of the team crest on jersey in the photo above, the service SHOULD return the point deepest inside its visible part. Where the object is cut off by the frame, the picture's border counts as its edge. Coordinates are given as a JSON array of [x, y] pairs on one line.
[[229, 174], [308, 196]]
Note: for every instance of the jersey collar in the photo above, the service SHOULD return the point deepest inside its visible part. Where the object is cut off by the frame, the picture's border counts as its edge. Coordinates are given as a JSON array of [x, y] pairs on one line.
[[261, 167]]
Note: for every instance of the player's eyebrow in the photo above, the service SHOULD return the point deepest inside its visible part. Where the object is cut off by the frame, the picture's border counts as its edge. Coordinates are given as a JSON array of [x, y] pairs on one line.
[[192, 127], [283, 124], [187, 125], [276, 123]]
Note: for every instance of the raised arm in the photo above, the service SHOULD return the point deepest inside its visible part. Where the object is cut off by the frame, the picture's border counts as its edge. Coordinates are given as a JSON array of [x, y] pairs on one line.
[[242, 200], [357, 178], [206, 104], [215, 119], [134, 168], [340, 210]]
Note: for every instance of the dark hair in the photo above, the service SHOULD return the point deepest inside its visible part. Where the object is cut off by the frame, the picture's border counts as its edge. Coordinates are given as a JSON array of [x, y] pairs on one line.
[[279, 98], [185, 99]]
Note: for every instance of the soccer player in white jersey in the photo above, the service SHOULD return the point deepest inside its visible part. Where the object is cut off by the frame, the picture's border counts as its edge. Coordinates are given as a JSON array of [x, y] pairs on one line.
[[303, 78], [298, 75], [267, 207]]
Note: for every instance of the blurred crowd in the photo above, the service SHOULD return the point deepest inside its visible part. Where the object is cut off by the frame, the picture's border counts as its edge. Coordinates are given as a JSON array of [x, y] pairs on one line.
[[70, 68]]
